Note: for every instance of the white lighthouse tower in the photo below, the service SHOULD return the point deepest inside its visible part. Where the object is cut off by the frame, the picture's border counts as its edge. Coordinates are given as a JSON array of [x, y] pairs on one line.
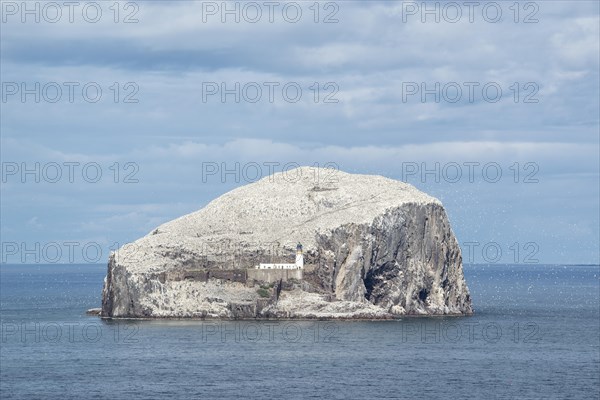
[[299, 257], [299, 264]]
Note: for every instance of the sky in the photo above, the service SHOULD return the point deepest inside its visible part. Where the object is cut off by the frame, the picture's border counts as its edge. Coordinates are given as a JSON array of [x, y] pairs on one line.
[[119, 116]]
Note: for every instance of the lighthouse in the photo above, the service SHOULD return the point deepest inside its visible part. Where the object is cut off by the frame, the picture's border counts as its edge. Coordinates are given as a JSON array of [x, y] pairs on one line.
[[299, 264], [299, 257]]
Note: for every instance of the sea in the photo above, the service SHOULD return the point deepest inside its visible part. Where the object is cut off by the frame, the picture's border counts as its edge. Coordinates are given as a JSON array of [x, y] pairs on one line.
[[535, 334]]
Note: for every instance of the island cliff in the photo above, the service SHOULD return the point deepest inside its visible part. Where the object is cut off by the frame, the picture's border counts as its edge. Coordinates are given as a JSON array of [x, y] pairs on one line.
[[373, 248]]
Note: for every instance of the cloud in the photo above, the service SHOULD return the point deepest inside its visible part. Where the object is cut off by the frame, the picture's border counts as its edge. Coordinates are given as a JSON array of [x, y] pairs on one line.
[[369, 56]]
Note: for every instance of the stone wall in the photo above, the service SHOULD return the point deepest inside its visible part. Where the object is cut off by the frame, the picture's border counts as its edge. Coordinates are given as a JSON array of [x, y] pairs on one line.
[[234, 275], [203, 275], [274, 275]]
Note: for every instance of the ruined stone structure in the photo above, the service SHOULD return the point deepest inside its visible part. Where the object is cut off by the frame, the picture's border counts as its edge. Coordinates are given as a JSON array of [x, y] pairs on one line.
[[299, 264]]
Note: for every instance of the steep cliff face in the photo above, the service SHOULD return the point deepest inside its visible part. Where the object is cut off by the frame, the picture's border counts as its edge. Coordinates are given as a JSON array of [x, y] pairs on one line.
[[374, 248]]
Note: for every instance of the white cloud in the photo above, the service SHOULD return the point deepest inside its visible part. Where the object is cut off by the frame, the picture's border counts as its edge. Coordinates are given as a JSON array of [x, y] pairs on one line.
[[370, 53]]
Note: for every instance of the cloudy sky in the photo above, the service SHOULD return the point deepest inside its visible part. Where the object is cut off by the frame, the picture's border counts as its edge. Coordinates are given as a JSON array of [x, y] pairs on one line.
[[493, 109]]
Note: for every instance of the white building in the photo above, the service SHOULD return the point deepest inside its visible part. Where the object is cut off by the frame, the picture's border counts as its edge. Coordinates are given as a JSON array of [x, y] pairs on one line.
[[299, 264]]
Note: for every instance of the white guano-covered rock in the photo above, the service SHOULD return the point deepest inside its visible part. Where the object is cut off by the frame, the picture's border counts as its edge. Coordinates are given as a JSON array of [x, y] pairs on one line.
[[373, 248]]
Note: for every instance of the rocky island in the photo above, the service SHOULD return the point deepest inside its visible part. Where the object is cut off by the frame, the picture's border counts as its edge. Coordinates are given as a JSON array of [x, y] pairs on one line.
[[365, 247]]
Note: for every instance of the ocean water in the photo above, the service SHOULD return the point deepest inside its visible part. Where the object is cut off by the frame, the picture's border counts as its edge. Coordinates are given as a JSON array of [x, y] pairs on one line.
[[535, 334]]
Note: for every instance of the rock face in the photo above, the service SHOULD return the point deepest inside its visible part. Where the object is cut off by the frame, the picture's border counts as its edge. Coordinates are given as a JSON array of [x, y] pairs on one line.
[[373, 248]]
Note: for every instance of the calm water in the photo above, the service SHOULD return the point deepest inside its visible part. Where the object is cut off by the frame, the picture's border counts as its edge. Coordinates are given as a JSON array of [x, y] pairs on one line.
[[536, 334]]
